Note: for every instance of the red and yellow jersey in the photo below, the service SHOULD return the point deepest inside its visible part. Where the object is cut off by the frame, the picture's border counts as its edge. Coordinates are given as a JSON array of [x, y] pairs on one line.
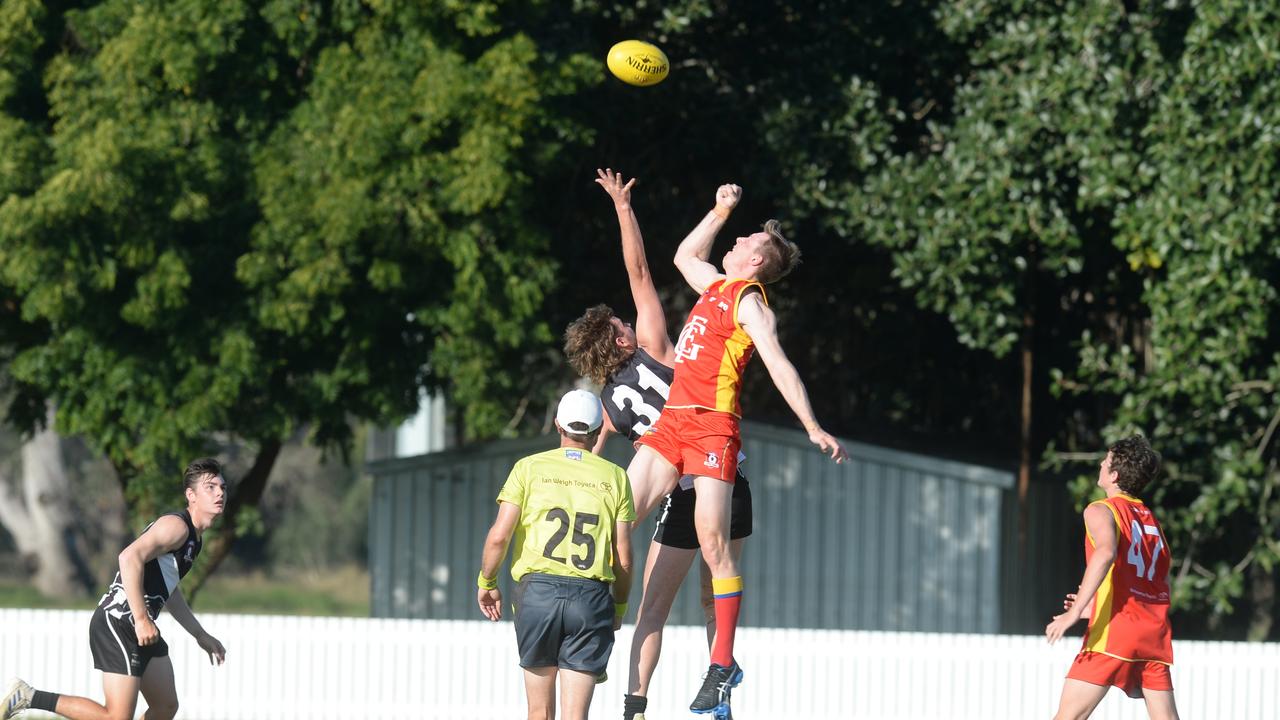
[[713, 350], [1130, 618]]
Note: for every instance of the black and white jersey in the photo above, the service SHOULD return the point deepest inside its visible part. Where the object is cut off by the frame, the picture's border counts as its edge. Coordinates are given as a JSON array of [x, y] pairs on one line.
[[636, 393], [160, 576]]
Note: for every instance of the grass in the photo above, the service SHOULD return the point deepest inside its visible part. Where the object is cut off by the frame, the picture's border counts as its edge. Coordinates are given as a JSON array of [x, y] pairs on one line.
[[340, 592]]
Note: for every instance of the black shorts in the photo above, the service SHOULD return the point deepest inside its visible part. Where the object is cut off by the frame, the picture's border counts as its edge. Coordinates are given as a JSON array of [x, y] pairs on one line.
[[675, 518], [115, 646], [564, 622]]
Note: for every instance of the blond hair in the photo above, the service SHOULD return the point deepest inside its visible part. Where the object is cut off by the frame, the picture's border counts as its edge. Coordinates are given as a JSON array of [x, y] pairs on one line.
[[780, 254]]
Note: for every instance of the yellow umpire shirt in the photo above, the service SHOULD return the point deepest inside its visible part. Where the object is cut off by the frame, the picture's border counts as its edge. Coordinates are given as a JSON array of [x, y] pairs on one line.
[[570, 501]]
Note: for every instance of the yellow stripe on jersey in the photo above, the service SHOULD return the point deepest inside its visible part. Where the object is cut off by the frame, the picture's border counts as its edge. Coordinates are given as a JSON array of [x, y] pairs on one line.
[[1100, 625], [570, 502], [729, 381], [1100, 628]]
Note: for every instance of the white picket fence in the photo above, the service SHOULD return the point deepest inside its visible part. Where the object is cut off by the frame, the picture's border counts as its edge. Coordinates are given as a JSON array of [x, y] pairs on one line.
[[319, 668]]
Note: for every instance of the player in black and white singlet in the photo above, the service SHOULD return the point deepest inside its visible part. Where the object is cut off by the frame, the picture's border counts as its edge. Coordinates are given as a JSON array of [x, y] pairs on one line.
[[635, 366], [123, 637], [160, 575]]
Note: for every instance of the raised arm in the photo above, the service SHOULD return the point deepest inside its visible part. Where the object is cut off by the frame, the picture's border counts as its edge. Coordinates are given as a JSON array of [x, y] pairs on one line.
[[691, 256], [651, 323], [759, 322], [1102, 528]]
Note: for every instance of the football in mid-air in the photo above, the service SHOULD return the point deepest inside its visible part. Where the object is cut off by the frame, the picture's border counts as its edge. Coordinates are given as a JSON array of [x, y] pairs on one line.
[[638, 63]]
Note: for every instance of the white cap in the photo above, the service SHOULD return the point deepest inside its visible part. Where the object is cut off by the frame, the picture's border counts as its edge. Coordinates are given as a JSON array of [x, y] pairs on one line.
[[579, 408]]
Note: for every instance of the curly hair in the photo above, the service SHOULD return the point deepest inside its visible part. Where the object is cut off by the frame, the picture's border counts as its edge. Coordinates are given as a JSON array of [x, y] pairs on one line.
[[1135, 464], [780, 254], [589, 345]]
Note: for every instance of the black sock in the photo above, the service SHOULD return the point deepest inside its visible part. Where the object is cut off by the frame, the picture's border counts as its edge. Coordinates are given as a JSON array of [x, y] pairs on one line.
[[633, 705], [47, 701]]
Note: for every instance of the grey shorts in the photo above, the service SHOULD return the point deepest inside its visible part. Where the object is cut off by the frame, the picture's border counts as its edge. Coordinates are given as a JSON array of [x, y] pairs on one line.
[[564, 622]]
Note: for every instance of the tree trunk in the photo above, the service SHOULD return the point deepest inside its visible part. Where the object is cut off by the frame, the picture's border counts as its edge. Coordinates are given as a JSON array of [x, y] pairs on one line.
[[1262, 591], [248, 493], [41, 515], [1024, 414]]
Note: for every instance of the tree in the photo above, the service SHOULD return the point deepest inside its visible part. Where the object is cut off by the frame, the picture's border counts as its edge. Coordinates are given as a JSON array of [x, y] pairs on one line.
[[1084, 201], [228, 220], [1201, 220], [40, 515]]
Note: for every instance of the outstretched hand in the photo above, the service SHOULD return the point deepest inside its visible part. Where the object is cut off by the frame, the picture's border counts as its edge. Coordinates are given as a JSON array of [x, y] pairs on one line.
[[1061, 623], [613, 184], [829, 444], [727, 196]]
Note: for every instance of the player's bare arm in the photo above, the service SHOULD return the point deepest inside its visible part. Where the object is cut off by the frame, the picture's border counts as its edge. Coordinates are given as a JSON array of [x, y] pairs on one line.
[[606, 429], [760, 323], [1101, 526], [165, 535], [691, 256], [651, 323], [495, 549], [622, 558], [181, 612]]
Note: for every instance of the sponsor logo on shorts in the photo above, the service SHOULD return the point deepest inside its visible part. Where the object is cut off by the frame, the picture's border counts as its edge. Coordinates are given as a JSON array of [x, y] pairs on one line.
[[712, 460], [573, 454]]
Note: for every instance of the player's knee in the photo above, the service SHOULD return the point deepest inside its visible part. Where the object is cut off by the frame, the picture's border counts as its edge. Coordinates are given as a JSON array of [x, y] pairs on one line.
[[715, 553], [163, 710]]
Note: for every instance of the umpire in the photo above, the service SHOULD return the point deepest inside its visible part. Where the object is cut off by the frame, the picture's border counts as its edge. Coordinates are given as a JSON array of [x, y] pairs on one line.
[[571, 513]]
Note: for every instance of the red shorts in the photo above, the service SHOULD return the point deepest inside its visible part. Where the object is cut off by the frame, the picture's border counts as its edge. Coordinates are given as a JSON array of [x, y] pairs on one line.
[[1129, 676], [697, 442]]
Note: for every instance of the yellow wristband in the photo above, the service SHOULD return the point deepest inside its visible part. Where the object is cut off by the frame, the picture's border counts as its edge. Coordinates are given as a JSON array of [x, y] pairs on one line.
[[811, 426], [485, 583], [721, 212], [619, 609]]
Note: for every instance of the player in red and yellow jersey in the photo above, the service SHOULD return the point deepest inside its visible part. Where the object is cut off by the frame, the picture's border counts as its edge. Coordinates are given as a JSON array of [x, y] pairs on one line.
[[1125, 591], [697, 433]]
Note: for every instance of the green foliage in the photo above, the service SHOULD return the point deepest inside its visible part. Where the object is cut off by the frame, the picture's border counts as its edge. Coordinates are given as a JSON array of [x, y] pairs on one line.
[[221, 217], [229, 220], [1203, 211], [1109, 169]]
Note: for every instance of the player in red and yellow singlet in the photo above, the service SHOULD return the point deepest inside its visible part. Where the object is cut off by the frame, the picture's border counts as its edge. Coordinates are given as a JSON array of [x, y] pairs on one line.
[[1125, 592], [697, 433]]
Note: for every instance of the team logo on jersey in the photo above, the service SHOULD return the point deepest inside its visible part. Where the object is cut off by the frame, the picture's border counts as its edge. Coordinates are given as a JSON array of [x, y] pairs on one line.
[[712, 460], [189, 550], [573, 454], [686, 347]]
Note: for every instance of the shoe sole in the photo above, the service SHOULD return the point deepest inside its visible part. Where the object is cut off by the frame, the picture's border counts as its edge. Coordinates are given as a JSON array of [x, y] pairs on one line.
[[719, 712]]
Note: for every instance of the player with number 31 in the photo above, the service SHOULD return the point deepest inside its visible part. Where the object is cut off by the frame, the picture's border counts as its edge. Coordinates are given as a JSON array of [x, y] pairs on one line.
[[635, 368]]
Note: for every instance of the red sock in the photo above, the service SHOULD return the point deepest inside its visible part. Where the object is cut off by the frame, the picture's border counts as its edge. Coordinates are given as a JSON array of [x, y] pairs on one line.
[[727, 593]]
